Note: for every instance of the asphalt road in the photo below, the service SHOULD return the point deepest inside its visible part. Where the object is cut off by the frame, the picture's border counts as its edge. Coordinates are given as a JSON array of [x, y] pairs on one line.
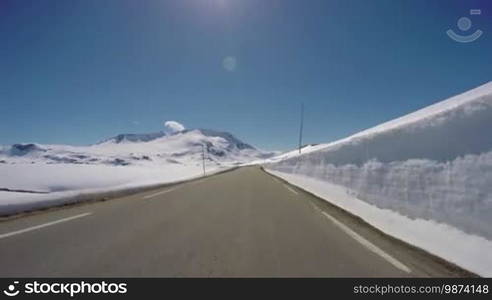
[[240, 223]]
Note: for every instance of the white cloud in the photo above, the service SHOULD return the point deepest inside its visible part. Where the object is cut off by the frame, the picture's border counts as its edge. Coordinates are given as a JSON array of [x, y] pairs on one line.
[[229, 63], [173, 126]]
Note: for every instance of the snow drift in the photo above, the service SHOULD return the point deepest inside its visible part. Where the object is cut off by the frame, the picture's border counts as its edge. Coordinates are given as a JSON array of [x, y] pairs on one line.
[[433, 164]]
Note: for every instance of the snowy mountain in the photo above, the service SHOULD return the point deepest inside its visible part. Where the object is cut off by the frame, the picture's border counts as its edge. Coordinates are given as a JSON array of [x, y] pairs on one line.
[[182, 147], [132, 137]]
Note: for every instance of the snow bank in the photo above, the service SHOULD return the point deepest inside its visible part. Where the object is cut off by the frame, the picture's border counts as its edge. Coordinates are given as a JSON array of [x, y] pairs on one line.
[[68, 177], [434, 164], [65, 182]]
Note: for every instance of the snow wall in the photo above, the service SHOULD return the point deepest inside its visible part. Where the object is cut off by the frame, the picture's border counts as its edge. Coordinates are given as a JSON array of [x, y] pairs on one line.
[[433, 164]]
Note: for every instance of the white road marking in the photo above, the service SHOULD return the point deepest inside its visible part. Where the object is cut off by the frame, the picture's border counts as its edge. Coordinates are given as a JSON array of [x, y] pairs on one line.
[[160, 193], [275, 178], [368, 244], [290, 189], [5, 235]]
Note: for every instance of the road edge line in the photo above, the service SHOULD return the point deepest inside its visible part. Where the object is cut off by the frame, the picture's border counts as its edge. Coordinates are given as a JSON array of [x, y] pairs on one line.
[[366, 243]]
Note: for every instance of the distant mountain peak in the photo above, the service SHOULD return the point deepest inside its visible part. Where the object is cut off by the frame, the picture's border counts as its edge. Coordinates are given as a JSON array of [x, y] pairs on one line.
[[135, 137], [225, 135], [147, 137], [23, 149]]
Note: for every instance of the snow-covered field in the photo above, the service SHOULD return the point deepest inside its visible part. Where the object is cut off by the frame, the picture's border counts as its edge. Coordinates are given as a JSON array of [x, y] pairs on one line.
[[65, 182], [125, 161], [433, 166]]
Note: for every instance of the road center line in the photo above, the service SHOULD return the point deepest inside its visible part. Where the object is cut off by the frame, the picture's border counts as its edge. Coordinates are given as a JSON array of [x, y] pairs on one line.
[[368, 244], [160, 193], [5, 235], [290, 189]]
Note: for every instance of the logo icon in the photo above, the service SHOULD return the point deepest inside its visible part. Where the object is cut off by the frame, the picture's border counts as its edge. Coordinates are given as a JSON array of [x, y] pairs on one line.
[[11, 291], [464, 24]]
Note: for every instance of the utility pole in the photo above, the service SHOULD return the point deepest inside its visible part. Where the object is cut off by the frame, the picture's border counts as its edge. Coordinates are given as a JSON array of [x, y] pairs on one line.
[[203, 158], [301, 127]]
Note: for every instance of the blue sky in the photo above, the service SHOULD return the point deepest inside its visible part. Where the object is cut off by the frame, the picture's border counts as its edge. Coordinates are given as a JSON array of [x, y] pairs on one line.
[[77, 72]]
